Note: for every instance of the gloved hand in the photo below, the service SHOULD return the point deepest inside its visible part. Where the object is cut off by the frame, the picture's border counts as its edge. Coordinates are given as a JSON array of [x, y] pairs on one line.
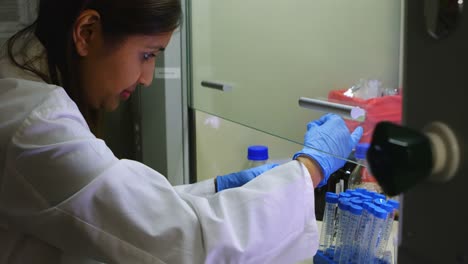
[[325, 136], [240, 178]]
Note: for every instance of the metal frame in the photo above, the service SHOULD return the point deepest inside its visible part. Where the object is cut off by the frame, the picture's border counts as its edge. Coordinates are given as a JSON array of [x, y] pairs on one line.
[[164, 110]]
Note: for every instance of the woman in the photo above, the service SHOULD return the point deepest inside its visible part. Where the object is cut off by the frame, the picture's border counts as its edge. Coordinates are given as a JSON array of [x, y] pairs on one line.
[[65, 198]]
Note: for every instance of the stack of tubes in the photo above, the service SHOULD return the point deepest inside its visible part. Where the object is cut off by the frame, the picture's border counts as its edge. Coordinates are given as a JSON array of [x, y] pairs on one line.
[[356, 227]]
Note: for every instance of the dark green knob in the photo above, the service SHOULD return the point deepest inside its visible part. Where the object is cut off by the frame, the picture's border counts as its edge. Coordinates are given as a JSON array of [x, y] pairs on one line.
[[399, 157]]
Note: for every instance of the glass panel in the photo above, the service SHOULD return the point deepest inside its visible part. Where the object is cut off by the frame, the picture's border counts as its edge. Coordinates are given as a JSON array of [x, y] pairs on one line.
[[253, 60]]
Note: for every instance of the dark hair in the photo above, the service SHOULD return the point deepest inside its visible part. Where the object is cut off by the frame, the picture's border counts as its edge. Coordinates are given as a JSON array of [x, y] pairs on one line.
[[119, 18]]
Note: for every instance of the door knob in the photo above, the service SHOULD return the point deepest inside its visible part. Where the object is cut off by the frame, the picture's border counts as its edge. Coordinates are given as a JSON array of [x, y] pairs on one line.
[[400, 157]]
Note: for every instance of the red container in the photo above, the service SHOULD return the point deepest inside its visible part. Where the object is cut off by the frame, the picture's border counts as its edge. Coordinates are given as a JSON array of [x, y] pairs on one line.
[[386, 108]]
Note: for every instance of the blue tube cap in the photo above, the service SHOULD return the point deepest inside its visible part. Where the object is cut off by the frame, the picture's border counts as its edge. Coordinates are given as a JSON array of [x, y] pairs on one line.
[[345, 195], [331, 198], [344, 205], [367, 197], [387, 207], [257, 152], [394, 203], [356, 201], [380, 213], [379, 196], [355, 209], [353, 193], [379, 201], [367, 206], [360, 190]]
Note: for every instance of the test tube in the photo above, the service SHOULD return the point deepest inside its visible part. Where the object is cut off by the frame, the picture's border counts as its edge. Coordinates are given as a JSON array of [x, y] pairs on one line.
[[344, 219], [361, 242], [358, 241], [387, 229], [380, 217], [330, 252], [328, 223], [355, 213], [364, 246]]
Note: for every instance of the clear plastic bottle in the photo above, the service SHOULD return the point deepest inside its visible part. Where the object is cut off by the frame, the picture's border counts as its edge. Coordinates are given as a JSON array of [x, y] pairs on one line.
[[328, 224], [360, 177], [257, 155]]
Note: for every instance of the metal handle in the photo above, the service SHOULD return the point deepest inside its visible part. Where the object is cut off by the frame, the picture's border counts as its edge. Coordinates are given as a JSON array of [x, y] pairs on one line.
[[217, 85], [345, 111]]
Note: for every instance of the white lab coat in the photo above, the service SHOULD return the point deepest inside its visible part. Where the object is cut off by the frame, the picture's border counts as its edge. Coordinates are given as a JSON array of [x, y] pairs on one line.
[[65, 198]]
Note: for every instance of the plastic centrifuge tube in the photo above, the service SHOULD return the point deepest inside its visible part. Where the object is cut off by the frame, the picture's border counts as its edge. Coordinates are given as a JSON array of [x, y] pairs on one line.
[[387, 229], [380, 217], [330, 251], [344, 219], [355, 213], [328, 223], [368, 233], [361, 242]]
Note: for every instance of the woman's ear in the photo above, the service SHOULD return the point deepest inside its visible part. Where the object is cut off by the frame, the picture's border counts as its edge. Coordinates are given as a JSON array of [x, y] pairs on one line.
[[87, 27]]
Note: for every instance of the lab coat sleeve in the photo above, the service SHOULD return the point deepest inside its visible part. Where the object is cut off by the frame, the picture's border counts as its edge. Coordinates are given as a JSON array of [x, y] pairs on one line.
[[65, 187], [201, 188]]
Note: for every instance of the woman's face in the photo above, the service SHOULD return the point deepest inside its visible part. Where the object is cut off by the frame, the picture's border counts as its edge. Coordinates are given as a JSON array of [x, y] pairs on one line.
[[110, 74]]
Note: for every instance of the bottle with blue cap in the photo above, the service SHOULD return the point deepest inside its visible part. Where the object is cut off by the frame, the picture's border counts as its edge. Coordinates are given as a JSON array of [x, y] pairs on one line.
[[360, 177], [257, 155]]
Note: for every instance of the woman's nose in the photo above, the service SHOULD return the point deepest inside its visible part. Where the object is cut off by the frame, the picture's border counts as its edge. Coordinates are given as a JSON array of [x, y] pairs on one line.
[[146, 77]]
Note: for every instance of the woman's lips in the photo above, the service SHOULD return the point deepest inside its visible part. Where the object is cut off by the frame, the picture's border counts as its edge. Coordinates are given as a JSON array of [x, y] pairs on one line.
[[125, 94]]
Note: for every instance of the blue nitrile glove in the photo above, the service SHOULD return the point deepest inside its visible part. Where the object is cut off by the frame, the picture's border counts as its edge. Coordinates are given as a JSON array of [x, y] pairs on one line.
[[325, 136], [240, 178]]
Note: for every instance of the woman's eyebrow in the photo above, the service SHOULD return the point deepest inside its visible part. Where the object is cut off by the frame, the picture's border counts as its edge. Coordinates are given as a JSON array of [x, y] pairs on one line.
[[160, 48]]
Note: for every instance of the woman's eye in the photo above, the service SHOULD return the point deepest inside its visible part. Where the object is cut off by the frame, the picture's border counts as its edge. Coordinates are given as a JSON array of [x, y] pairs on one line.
[[148, 56]]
